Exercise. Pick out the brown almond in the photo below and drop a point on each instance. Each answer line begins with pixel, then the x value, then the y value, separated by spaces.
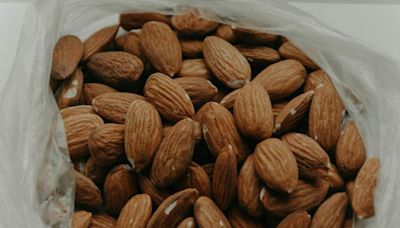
pixel 292 114
pixel 197 178
pixel 132 44
pixel 92 90
pixel 209 168
pixel 120 185
pixel 226 62
pixel 290 51
pixel 331 212
pixel 66 56
pixel 249 187
pixel 174 209
pixel 99 41
pixel 114 106
pixel 316 78
pixel 81 219
pixel 350 151
pixel 276 165
pixel 136 212
pixel 161 47
pixel 249 36
pixel 102 221
pixel 94 172
pixel 225 32
pixel 207 214
pixel 191 48
pixel 170 99
pixel 229 100
pixel 297 219
pixel 76 110
pixel 71 90
pixel 143 132
pixel 200 90
pixel 241 220
pixel 135 20
pixel 259 54
pixel 86 192
pixel 277 107
pixel 195 68
pixel 253 112
pixel 187 223
pixel 106 144
pixel 146 186
pixel 78 129
pixel 332 177
pixel 191 24
pixel 119 41
pixel 174 155
pixel 349 187
pixel 364 189
pixel 282 79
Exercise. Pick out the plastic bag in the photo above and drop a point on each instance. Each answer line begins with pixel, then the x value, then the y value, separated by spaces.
pixel 37 187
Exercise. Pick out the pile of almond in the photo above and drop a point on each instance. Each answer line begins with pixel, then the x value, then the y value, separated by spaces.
pixel 185 122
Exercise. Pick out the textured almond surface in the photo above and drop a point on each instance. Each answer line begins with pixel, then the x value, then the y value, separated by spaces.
pixel 86 192
pixel 132 44
pixel 331 212
pixel 225 32
pixel 146 186
pixel 170 99
pixel 290 51
pixel 332 177
pixel 282 78
pixel 143 132
pixel 92 90
pixel 66 56
pixel 276 165
pixel 195 68
pixel 102 221
pixel 316 78
pixel 161 47
pixel 187 223
pixel 207 214
pixel 253 112
pixel 191 24
pixel 200 90
pixel 81 219
pixel 297 219
pixel 229 100
pixel 191 48
pixel 259 54
pixel 241 220
pixel 76 110
pixel 135 20
pixel 197 178
pixel 226 62
pixel 136 212
pixel 99 41
pixel 94 172
pixel 71 90
pixel 249 36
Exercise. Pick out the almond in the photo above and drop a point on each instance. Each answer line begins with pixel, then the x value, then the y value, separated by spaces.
pixel 187 223
pixel 190 24
pixel 219 131
pixel 170 99
pixel 226 62
pixel 333 178
pixel 305 196
pixel 253 112
pixel 197 178
pixel 331 212
pixel 225 32
pixel 119 41
pixel 135 20
pixel 281 79
pixel 350 151
pixel 249 36
pixel 276 165
pixel 71 90
pixel 99 41
pixel 259 54
pixel 92 90
pixel 278 107
pixel 114 106
pixel 86 192
pixel 174 155
pixel 349 187
pixel 79 165
pixel 102 221
pixel 224 183
pixel 325 116
pixel 364 189
pixel 132 44
pixel 290 51
pixel 76 110
pixel 81 219
pixel 209 168
pixel 116 68
pixel 207 214
pixel 316 78
pixel 195 68
pixel 66 56
pixel 174 209
pixel 78 129
pixel 161 47
pixel 94 172
pixel 143 132
pixel 297 219
pixel 136 212
pixel 309 154
pixel 200 90
pixel 119 186
pixel 146 186
pixel 249 187
pixel 241 220
pixel 291 115
pixel 229 100
pixel 106 144
pixel 191 48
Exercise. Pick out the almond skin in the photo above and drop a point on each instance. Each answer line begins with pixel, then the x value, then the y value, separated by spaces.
pixel 249 36
pixel 192 48
pixel 116 68
pixel 66 57
pixel 316 78
pixel 195 68
pixel 143 132
pixel 86 192
pixel 331 212
pixel 102 221
pixel 241 220
pixel 76 110
pixel 99 41
pixel 120 185
pixel 135 20
pixel 226 62
pixel 174 155
pixel 259 54
pixel 281 79
pixel 190 24
pixel 146 186
pixel 224 183
pixel 78 129
pixel 332 177
pixel 249 187
pixel 276 165
pixel 187 223
pixel 278 107
pixel 174 209
pixel 225 32
pixel 253 112
pixel 350 151
pixel 364 189
pixel 197 178
pixel 229 100
pixel 207 214
pixel 92 90
pixel 297 219
pixel 106 144
pixel 161 47
pixel 71 90
pixel 136 212
pixel 290 51
pixel 114 106
pixel 81 219
pixel 199 90
pixel 132 44
pixel 94 172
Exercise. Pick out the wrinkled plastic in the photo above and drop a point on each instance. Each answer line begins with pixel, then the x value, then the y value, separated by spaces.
pixel 36 181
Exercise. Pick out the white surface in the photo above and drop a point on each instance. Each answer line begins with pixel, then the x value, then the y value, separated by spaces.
pixel 377 24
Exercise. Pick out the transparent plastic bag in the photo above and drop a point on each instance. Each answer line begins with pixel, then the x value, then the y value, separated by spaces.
pixel 36 178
